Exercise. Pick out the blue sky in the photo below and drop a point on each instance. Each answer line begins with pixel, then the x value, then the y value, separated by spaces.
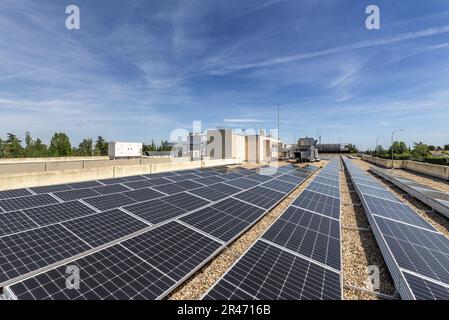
pixel 139 69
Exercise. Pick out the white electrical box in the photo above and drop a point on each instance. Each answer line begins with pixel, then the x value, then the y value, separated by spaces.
pixel 124 150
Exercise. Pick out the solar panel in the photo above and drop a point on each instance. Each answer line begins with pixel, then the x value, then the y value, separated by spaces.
pixel 209 180
pixel 169 189
pixel 115 188
pixel 14 193
pixel 222 226
pixel 185 201
pixel 109 201
pixel 138 184
pixel 159 175
pixel 408 243
pixel 174 249
pixel 376 192
pixel 394 210
pixel 31 250
pixel 324 189
pixel 49 189
pixel 242 183
pixel 14 204
pixel 231 176
pixel 260 177
pixel 76 194
pixel 319 203
pixel 58 212
pixel 12 222
pixel 189 184
pixel 155 211
pixel 426 290
pixel 239 209
pixel 143 194
pixel 269 273
pixel 331 182
pixel 311 235
pixel 262 197
pixel 113 273
pixel 183 177
pixel 86 184
pixel 159 181
pixel 104 227
pixel 280 186
pixel 224 220
pixel 134 178
pixel 210 194
pixel 113 181
pixel 290 179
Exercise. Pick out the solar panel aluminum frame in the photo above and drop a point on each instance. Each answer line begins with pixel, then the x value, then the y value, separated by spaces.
pixel 400 282
pixel 431 202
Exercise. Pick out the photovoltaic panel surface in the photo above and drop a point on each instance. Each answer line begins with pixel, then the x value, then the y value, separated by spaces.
pixel 416 254
pixel 113 273
pixel 143 194
pixel 76 194
pixel 104 227
pixel 14 204
pixel 48 189
pixel 14 193
pixel 319 203
pixel 155 211
pixel 58 212
pixel 174 249
pixel 109 201
pixel 31 250
pixel 266 272
pixel 15 221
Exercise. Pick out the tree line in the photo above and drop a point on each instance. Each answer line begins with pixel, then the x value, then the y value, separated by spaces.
pixel 419 152
pixel 60 146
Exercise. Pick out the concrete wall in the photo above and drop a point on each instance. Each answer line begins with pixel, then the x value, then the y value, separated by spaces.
pixel 33 179
pixel 429 169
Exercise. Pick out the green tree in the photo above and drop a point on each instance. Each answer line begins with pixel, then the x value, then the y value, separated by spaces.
pixel 101 146
pixel 431 148
pixel 420 151
pixel 446 147
pixel 12 147
pixel 60 145
pixel 85 147
pixel 352 148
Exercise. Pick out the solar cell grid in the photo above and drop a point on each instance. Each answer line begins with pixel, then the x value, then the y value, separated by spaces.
pixel 109 201
pixel 113 273
pixel 209 180
pixel 138 184
pixel 319 203
pixel 242 183
pixel 155 211
pixel 324 189
pixel 86 184
pixel 112 181
pixel 261 197
pixel 14 193
pixel 331 182
pixel 76 194
pixel 239 209
pixel 310 238
pixel 280 186
pixel 189 184
pixel 31 250
pixel 394 210
pixel 143 194
pixel 174 249
pixel 268 273
pixel 16 221
pixel 134 178
pixel 169 189
pixel 48 189
pixel 115 188
pixel 58 212
pixel 14 204
pixel 104 227
pixel 426 290
pixel 185 201
pixel 376 192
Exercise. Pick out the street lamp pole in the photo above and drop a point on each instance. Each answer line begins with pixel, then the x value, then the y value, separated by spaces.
pixel 377 144
pixel 392 151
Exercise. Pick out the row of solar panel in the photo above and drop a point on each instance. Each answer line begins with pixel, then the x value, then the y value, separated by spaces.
pixel 299 256
pixel 165 251
pixel 170 184
pixel 81 221
pixel 416 254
